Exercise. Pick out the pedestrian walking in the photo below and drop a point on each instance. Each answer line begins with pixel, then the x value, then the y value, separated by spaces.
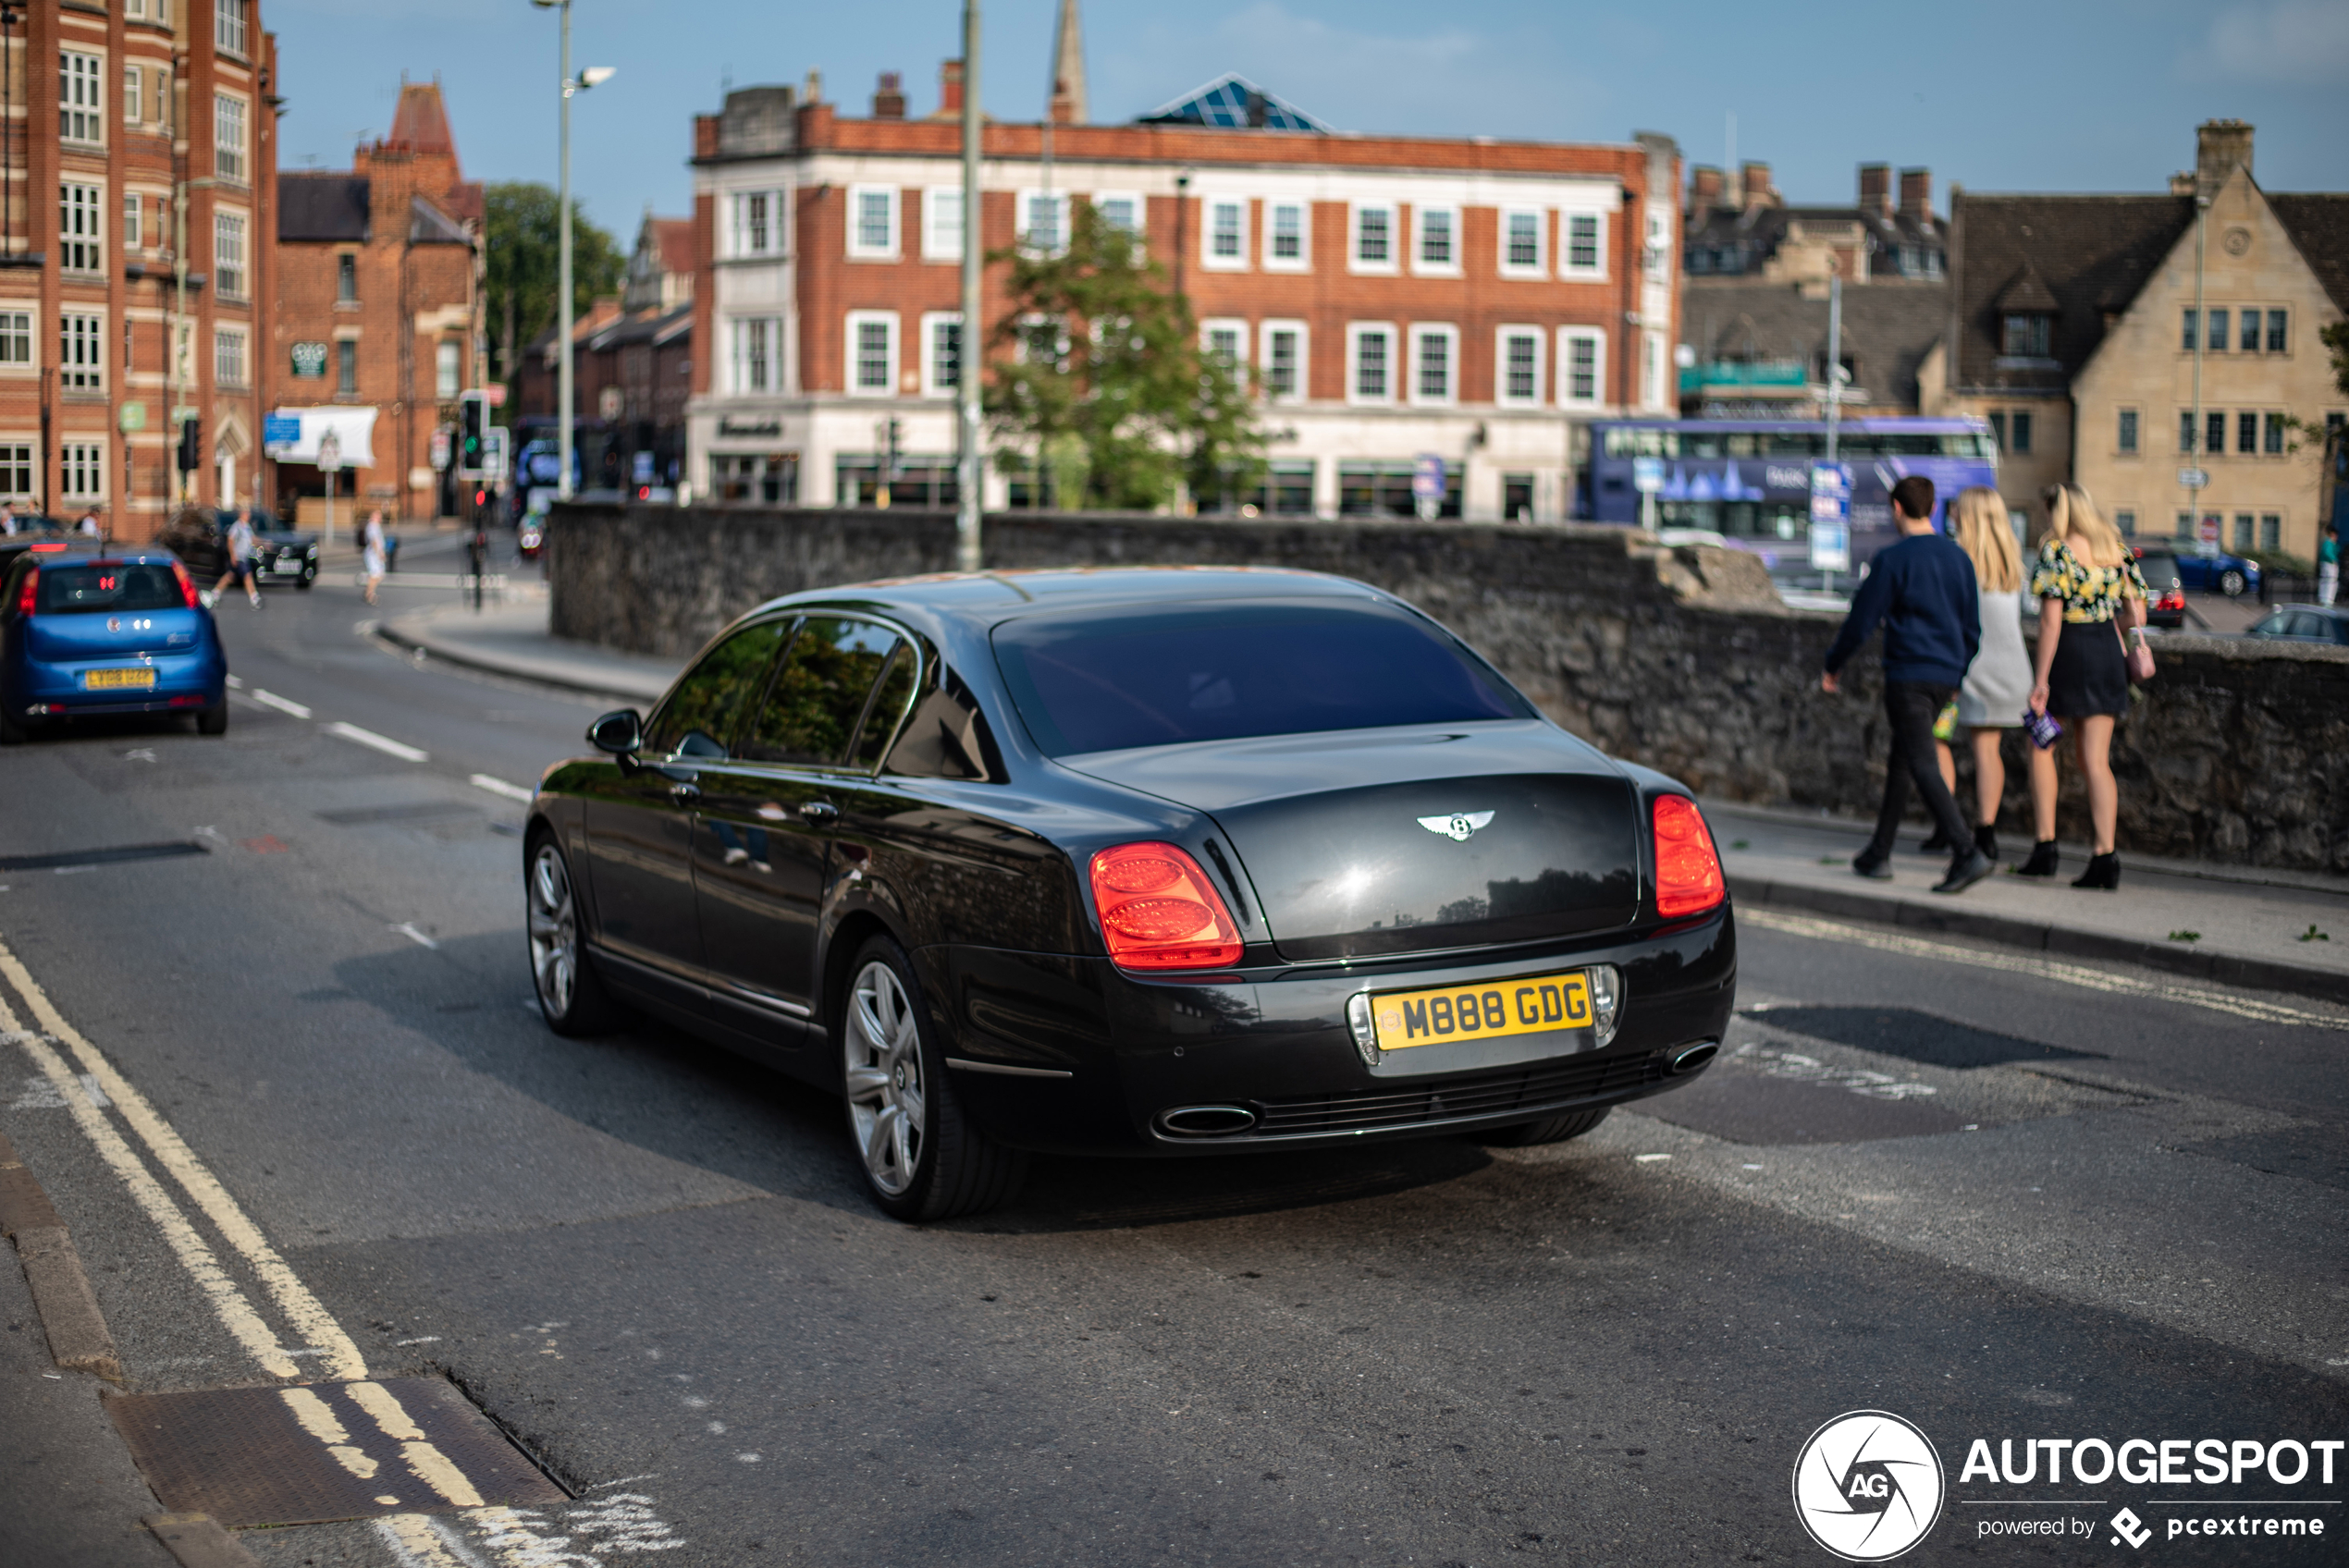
pixel 241 560
pixel 371 551
pixel 1922 589
pixel 88 526
pixel 1997 684
pixel 2092 597
pixel 7 519
pixel 2329 565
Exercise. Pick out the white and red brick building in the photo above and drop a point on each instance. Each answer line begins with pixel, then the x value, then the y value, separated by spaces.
pixel 1477 299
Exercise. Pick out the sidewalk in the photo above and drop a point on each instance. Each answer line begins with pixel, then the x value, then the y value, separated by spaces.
pixel 2248 920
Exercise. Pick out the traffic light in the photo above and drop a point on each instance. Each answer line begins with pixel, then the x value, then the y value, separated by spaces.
pixel 472 418
pixel 190 444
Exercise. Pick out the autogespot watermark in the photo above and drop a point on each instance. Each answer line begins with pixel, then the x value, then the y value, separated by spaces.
pixel 1869 1485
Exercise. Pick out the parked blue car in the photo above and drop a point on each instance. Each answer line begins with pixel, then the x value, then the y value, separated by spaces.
pixel 82 635
pixel 2220 574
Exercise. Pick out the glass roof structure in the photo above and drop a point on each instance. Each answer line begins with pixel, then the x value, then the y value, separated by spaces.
pixel 1233 102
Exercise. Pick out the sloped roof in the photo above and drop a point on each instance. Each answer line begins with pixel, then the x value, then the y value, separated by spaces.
pixel 421 123
pixel 1887 331
pixel 1755 232
pixel 2320 226
pixel 1233 102
pixel 2092 255
pixel 330 207
pixel 428 224
pixel 2028 293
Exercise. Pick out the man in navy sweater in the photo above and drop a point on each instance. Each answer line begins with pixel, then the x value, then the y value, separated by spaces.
pixel 1923 590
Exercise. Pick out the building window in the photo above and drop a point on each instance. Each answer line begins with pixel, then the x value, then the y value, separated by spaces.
pixel 346 277
pixel 1373 239
pixel 347 367
pixel 943 224
pixel 2273 445
pixel 2215 340
pixel 1582 355
pixel 872 353
pixel 16 469
pixel 2025 336
pixel 754 223
pixel 228 137
pixel 2128 433
pixel 1121 211
pixel 1519 369
pixel 132 230
pixel 2271 530
pixel 84 471
pixel 1284 236
pixel 1373 355
pixel 1225 341
pixel 1434 350
pixel 2020 424
pixel 133 99
pixel 1997 418
pixel 228 254
pixel 2244 536
pixel 2276 337
pixel 228 25
pixel 771 478
pixel 2214 435
pixel 2127 522
pixel 754 355
pixel 16 337
pixel 1043 222
pixel 872 222
pixel 1582 242
pixel 227 358
pixel 2185 431
pixel 78 248
pixel 2246 434
pixel 2186 331
pixel 80 108
pixel 1283 359
pixel 1520 244
pixel 1226 234
pixel 1438 249
pixel 79 363
pixel 447 369
pixel 942 353
pixel 2250 331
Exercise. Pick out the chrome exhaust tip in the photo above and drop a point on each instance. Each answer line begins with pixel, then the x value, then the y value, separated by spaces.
pixel 1206 1120
pixel 1696 1056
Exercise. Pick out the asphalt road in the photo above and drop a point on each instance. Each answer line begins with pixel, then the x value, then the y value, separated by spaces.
pixel 2002 1199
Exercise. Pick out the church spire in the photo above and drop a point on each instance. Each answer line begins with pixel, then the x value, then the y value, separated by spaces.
pixel 1068 68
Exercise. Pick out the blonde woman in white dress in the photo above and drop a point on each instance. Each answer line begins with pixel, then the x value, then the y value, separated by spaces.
pixel 1997 683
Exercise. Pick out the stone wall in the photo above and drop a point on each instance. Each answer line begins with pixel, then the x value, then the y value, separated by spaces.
pixel 1683 658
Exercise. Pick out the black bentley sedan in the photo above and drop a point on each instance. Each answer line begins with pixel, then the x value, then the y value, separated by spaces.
pixel 1159 861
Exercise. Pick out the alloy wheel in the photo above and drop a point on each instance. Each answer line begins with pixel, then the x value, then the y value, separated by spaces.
pixel 887 1100
pixel 554 931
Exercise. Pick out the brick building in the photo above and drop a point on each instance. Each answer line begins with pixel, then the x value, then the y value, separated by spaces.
pixel 1472 299
pixel 378 320
pixel 126 110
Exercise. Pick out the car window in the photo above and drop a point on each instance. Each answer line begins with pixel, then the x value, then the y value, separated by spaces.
pixel 701 715
pixel 87 590
pixel 2159 567
pixel 819 691
pixel 896 689
pixel 2277 625
pixel 2307 624
pixel 1147 675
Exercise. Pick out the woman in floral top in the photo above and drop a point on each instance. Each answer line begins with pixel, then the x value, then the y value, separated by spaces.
pixel 2087 578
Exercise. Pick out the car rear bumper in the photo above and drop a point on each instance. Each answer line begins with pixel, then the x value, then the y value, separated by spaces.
pixel 183 682
pixel 1070 1055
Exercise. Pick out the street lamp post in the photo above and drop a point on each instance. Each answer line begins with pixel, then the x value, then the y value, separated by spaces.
pixel 971 353
pixel 589 77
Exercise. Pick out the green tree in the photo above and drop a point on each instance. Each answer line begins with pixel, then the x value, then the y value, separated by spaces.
pixel 522 227
pixel 1098 378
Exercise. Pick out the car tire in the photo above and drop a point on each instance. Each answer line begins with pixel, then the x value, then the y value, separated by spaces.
pixel 214 720
pixel 1549 1129
pixel 921 1158
pixel 571 994
pixel 2231 583
pixel 309 576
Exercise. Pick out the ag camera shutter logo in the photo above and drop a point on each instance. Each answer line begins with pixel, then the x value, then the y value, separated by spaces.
pixel 1868 1486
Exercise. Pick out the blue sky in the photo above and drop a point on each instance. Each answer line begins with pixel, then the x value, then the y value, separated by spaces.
pixel 1999 94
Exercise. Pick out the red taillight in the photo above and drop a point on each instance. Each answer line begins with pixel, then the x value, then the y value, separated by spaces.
pixel 1688 873
pixel 1159 910
pixel 30 594
pixel 187 587
pixel 2174 600
pixel 49 549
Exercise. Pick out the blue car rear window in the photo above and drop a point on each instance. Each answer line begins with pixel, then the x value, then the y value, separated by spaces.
pixel 108 585
pixel 1137 676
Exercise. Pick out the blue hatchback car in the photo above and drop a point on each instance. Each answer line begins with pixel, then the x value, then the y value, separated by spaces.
pixel 85 635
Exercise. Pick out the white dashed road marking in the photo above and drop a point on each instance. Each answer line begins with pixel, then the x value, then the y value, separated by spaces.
pixel 383 743
pixel 500 787
pixel 283 705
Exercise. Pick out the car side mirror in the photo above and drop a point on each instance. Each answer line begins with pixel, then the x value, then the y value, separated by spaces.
pixel 619 733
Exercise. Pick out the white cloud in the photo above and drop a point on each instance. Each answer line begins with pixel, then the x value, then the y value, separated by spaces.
pixel 2295 41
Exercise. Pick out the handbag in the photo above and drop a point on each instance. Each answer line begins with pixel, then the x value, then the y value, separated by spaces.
pixel 2139 657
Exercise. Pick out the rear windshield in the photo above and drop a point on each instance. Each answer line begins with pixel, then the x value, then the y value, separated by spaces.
pixel 108 585
pixel 1137 676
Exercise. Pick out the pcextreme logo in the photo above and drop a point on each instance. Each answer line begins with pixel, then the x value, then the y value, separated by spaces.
pixel 1868 1486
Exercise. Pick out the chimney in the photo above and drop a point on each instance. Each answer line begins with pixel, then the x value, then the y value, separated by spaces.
pixel 1876 188
pixel 1756 180
pixel 2219 147
pixel 2182 183
pixel 950 88
pixel 1916 195
pixel 1705 189
pixel 889 98
pixel 814 91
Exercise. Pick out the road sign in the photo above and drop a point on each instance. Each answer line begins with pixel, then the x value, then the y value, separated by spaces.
pixel 493 454
pixel 641 470
pixel 2206 531
pixel 495 394
pixel 131 417
pixel 2193 479
pixel 1832 517
pixel 1647 475
pixel 1427 478
pixel 439 448
pixel 329 453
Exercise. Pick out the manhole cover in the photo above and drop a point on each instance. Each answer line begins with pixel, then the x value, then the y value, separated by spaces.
pixel 323 1451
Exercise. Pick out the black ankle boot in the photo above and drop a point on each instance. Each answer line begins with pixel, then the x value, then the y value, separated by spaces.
pixel 1937 845
pixel 2044 861
pixel 1985 838
pixel 2103 873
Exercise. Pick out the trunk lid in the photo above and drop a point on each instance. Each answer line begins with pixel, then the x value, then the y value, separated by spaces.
pixel 1370 842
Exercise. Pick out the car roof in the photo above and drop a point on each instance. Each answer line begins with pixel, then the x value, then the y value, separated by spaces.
pixel 984 599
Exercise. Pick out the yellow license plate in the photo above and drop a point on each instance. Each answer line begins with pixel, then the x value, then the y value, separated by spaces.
pixel 1492 1011
pixel 110 679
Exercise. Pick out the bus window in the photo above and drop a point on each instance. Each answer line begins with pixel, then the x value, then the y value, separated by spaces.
pixel 1794 443
pixel 1906 444
pixel 1741 445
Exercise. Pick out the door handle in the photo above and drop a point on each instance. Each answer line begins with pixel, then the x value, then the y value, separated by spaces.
pixel 816 813
pixel 685 792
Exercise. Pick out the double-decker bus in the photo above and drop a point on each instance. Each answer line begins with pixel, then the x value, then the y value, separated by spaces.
pixel 1750 479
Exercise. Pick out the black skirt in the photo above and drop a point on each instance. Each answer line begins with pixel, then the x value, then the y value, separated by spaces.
pixel 2090 674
